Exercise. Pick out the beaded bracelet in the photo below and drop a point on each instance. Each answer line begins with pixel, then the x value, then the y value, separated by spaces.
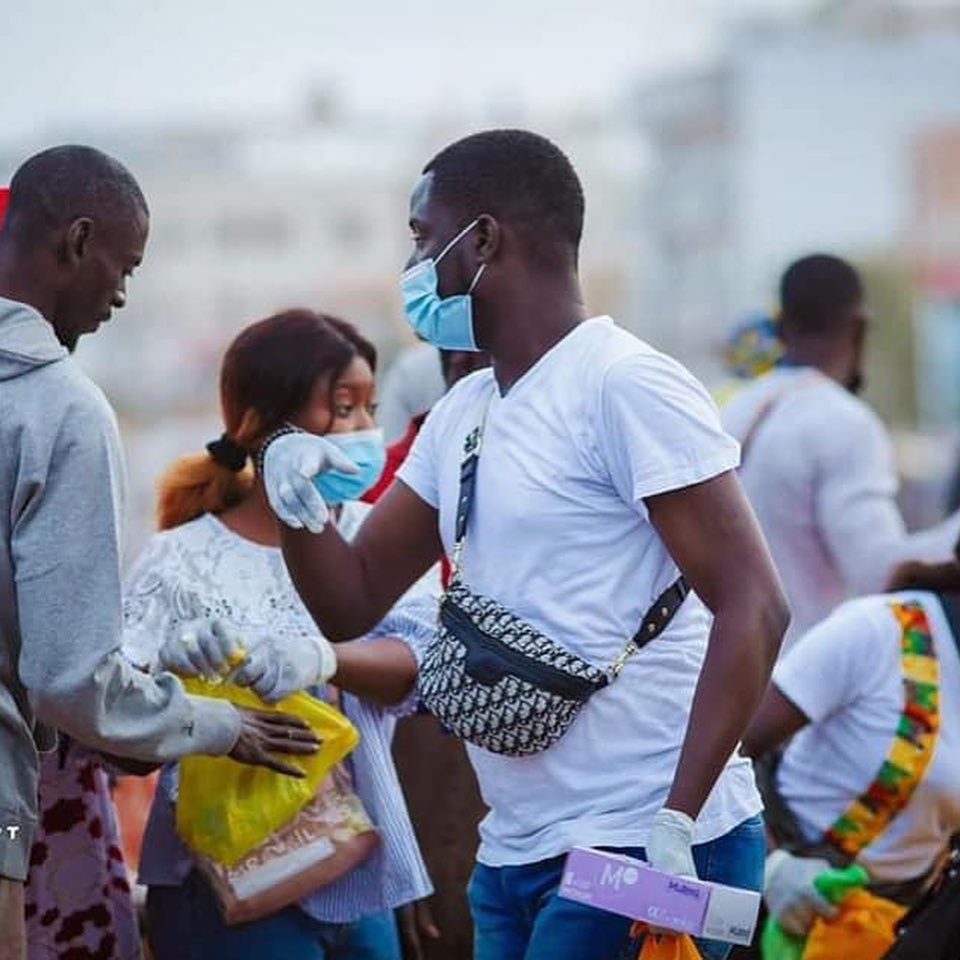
pixel 270 437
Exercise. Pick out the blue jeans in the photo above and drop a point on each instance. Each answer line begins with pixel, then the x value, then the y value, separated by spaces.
pixel 184 923
pixel 517 914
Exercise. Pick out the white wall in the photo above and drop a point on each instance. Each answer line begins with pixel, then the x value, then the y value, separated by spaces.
pixel 827 126
pixel 819 126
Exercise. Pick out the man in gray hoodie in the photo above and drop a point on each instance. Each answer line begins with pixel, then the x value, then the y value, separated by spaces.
pixel 75 229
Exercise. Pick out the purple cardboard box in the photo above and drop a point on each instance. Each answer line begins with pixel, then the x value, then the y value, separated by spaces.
pixel 629 887
pixel 611 881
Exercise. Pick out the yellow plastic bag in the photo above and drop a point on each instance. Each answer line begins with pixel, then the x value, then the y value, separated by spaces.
pixel 861 930
pixel 225 809
pixel 665 946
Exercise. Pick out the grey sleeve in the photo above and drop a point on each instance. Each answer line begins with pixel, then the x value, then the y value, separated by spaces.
pixel 65 550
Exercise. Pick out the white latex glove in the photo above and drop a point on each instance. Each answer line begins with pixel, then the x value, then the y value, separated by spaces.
pixel 289 465
pixel 670 842
pixel 276 668
pixel 791 897
pixel 204 648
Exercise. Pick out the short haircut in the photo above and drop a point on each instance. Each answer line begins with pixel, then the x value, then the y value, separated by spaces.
pixel 516 176
pixel 816 290
pixel 62 184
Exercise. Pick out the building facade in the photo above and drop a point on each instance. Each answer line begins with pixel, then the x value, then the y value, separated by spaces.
pixel 799 138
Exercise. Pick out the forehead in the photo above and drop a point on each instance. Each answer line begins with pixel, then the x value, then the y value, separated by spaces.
pixel 357 374
pixel 426 208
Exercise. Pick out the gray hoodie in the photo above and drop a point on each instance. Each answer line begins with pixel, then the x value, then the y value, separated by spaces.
pixel 60 625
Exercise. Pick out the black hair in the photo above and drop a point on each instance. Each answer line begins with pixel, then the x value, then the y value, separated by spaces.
pixel 815 291
pixel 518 177
pixel 933 577
pixel 61 184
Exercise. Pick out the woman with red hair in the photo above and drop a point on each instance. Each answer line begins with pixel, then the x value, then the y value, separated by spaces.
pixel 218 558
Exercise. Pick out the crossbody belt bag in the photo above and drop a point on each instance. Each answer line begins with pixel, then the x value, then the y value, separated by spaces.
pixel 496 681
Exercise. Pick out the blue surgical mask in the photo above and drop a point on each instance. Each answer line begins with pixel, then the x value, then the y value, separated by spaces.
pixel 366 449
pixel 446 322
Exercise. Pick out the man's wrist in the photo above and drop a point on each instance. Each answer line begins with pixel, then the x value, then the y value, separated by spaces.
pixel 679 804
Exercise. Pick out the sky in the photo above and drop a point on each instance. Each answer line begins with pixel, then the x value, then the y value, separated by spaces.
pixel 67 64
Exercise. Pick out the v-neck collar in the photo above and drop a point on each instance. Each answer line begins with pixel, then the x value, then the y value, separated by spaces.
pixel 531 373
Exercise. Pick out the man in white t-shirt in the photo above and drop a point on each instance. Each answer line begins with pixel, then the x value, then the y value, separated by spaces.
pixel 840 701
pixel 817 461
pixel 603 471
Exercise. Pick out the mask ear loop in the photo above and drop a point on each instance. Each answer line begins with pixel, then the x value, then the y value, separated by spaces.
pixel 476 278
pixel 455 240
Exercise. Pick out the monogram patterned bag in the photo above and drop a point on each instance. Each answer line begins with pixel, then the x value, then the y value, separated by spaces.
pixel 496 681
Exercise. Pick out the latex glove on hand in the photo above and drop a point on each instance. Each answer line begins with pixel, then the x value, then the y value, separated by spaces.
pixel 669 846
pixel 792 899
pixel 274 669
pixel 289 465
pixel 202 648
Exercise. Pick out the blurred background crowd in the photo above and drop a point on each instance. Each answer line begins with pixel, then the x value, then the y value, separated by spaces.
pixel 716 141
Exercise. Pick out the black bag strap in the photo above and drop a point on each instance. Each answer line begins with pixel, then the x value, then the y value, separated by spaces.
pixel 468 487
pixel 657 618
pixel 951 608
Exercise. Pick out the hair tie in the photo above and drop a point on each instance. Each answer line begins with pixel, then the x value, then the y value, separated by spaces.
pixel 228 453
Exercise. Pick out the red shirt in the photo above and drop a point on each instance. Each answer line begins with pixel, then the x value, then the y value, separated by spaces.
pixel 396 454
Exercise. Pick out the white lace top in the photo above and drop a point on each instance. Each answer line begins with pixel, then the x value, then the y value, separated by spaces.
pixel 203 569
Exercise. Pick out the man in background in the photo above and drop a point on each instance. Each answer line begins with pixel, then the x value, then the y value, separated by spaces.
pixel 817 462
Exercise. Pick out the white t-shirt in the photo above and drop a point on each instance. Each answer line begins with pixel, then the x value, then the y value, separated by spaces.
pixel 846 676
pixel 560 535
pixel 820 476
